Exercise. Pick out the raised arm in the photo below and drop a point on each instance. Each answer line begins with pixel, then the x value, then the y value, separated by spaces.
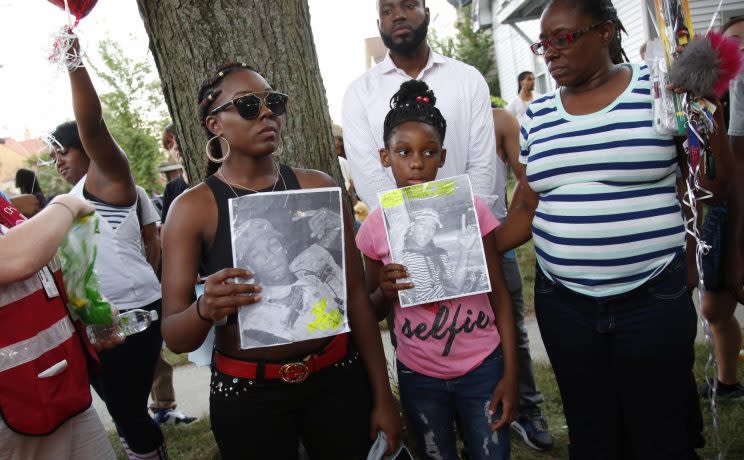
pixel 362 152
pixel 26 248
pixel 109 177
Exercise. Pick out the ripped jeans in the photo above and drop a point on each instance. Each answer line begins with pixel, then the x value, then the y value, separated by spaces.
pixel 431 405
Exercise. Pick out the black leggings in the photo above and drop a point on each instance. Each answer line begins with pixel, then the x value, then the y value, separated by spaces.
pixel 329 411
pixel 124 383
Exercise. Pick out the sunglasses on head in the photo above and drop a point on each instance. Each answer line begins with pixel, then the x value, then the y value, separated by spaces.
pixel 561 41
pixel 249 105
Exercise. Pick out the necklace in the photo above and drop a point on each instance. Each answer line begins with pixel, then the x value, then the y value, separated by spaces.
pixel 231 185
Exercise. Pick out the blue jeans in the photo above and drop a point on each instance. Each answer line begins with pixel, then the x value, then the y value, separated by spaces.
pixel 624 367
pixel 431 405
pixel 124 383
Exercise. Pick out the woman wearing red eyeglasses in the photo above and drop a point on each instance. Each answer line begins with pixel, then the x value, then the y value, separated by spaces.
pixel 264 400
pixel 598 195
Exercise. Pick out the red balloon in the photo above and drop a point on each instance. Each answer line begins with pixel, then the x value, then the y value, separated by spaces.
pixel 78 8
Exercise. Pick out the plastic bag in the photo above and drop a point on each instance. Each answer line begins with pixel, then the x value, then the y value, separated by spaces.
pixel 77 254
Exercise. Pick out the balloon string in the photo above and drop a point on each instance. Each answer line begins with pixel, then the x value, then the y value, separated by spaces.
pixel 713 19
pixel 695 193
pixel 69 16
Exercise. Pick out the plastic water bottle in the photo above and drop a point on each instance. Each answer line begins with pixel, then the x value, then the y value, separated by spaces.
pixel 126 323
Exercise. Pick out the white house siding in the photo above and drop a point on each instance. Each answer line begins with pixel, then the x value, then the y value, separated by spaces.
pixel 631 14
pixel 513 55
pixel 702 12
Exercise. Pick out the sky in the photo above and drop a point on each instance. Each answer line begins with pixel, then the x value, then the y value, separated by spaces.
pixel 36 95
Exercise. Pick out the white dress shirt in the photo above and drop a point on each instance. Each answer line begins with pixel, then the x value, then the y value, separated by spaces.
pixel 462 97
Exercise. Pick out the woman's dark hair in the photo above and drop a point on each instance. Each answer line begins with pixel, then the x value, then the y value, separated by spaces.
pixel 520 79
pixel 68 136
pixel 601 11
pixel 731 22
pixel 208 92
pixel 414 101
pixel 25 180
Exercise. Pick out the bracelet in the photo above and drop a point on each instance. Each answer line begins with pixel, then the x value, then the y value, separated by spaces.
pixel 198 313
pixel 68 208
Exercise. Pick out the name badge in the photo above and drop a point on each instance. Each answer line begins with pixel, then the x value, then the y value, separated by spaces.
pixel 47 280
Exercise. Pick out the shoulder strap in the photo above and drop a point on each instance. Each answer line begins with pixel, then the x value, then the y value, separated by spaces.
pixel 290 179
pixel 139 211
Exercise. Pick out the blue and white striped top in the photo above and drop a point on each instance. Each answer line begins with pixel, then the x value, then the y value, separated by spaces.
pixel 608 217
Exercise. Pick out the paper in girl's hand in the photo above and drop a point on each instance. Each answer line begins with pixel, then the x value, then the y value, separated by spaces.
pixel 440 242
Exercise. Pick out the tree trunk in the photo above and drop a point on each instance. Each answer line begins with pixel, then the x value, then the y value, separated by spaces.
pixel 191 38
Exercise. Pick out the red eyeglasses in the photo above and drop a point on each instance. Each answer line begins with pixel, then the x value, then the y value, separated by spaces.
pixel 561 41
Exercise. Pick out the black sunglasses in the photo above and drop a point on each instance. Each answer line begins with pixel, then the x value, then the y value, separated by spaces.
pixel 249 105
pixel 561 41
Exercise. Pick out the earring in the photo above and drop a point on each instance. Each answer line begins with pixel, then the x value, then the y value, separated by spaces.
pixel 279 149
pixel 225 155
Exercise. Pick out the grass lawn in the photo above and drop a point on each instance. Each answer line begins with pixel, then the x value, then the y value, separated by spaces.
pixel 526 259
pixel 195 442
pixel 176 360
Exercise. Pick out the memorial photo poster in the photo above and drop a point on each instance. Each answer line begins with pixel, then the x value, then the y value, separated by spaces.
pixel 293 243
pixel 433 230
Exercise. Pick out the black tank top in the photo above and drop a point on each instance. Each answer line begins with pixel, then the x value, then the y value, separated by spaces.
pixel 220 256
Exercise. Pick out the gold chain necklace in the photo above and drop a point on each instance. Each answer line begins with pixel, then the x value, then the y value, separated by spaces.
pixel 231 185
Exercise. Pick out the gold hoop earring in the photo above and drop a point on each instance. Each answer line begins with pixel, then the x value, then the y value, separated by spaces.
pixel 279 149
pixel 224 156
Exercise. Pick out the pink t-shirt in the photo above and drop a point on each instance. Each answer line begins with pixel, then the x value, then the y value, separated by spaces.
pixel 445 339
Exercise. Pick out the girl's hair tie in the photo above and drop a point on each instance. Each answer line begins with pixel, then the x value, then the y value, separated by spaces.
pixel 422 99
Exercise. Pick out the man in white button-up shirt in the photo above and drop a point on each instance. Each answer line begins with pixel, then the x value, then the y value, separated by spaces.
pixel 462 97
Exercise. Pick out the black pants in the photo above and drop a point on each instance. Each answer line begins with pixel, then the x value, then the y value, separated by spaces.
pixel 329 411
pixel 624 367
pixel 124 384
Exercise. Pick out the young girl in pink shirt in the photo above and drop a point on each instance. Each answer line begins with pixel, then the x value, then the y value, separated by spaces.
pixel 456 358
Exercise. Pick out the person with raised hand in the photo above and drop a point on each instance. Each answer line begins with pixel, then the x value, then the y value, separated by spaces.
pixel 87 156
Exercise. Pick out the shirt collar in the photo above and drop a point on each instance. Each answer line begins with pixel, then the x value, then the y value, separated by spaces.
pixel 387 64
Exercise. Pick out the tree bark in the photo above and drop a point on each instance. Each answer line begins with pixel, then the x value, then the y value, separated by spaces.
pixel 189 39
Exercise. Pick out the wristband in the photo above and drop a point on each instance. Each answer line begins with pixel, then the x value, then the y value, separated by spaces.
pixel 198 312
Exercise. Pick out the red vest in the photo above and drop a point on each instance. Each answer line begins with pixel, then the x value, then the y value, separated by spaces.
pixel 43 358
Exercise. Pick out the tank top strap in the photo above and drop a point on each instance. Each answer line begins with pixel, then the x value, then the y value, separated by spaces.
pixel 290 178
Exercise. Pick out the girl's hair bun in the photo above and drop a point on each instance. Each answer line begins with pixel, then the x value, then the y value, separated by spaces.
pixel 411 92
pixel 414 101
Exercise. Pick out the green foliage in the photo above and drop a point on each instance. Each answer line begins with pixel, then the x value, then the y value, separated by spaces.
pixel 469 46
pixel 134 111
pixel 498 102
pixel 50 181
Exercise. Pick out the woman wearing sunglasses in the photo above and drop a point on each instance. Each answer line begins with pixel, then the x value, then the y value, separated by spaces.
pixel 600 200
pixel 260 404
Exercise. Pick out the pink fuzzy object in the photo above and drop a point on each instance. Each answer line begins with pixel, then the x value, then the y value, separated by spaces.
pixel 707 65
pixel 729 60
